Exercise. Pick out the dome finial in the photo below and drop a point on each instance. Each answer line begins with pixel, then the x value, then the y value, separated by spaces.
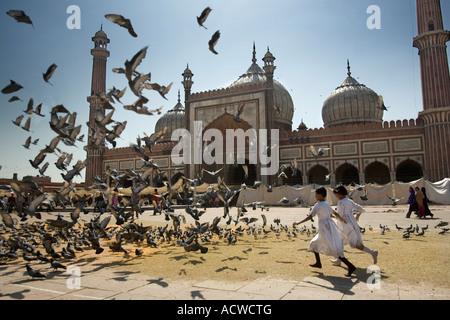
pixel 254 53
pixel 348 68
pixel 179 98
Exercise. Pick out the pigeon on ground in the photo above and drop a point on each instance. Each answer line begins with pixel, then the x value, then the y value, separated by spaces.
pixel 34 273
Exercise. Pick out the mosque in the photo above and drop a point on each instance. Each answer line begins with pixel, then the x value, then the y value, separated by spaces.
pixel 359 147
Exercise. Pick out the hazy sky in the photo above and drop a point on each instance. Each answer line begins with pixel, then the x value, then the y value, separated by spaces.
pixel 310 39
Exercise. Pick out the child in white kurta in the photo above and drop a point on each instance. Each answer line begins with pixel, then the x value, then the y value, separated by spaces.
pixel 327 241
pixel 350 231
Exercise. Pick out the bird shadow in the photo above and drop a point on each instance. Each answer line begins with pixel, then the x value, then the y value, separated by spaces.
pixel 197 294
pixel 225 268
pixel 16 295
pixel 234 258
pixel 159 282
pixel 193 262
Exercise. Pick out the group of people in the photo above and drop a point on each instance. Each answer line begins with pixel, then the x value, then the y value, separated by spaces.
pixel 333 236
pixel 418 203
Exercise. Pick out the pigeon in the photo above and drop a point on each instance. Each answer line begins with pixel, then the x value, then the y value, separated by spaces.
pixel 441 224
pixel 394 200
pixel 317 152
pixel 204 16
pixel 121 21
pixel 49 73
pixel 130 66
pixel 38 160
pixel 7 219
pixel 245 168
pixel 12 87
pixel 212 43
pixel 27 124
pixel 264 218
pixel 34 273
pixel 247 220
pixel 27 143
pixel 282 175
pixel 37 111
pixel 29 107
pixel 43 168
pixel 284 200
pixel 20 16
pixel 138 252
pixel 212 173
pixel 241 109
pixel 398 228
pixel 381 105
pixel 162 90
pixel 56 265
pixel 14 98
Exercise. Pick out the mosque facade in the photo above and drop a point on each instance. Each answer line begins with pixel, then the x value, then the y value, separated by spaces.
pixel 358 146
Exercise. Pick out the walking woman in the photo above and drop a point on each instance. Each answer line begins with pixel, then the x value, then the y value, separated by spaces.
pixel 350 231
pixel 327 241
pixel 426 202
pixel 412 202
pixel 419 202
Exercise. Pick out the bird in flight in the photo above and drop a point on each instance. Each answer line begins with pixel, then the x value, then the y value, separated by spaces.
pixel 241 110
pixel 121 21
pixel 49 73
pixel 212 43
pixel 20 16
pixel 381 105
pixel 318 152
pixel 204 16
pixel 12 87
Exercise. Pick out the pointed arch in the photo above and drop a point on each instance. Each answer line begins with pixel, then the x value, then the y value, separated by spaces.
pixel 377 172
pixel 317 175
pixel 347 173
pixel 408 170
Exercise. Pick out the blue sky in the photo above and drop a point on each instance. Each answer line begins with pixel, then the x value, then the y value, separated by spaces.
pixel 310 39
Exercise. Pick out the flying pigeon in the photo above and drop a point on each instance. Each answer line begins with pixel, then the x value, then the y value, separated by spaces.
pixel 49 73
pixel 203 17
pixel 121 21
pixel 20 16
pixel 12 87
pixel 212 43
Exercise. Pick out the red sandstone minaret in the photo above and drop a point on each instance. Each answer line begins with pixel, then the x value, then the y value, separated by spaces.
pixel 431 42
pixel 94 151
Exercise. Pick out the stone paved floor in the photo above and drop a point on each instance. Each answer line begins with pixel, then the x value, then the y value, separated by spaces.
pixel 97 282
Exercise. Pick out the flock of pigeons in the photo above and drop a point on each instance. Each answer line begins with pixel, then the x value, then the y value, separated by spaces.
pixel 62 239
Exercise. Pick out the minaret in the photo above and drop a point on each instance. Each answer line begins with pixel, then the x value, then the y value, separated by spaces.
pixel 187 84
pixel 431 42
pixel 269 70
pixel 98 85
